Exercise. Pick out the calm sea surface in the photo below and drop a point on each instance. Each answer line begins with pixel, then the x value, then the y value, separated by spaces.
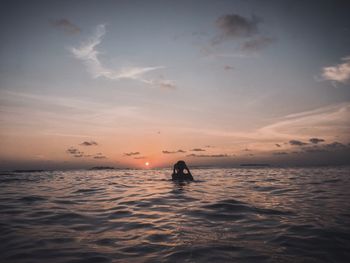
pixel 225 215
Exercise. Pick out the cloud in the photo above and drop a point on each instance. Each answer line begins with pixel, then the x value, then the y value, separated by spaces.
pixel 323 121
pixel 79 154
pixel 90 56
pixel 314 150
pixel 256 44
pixel 335 145
pixel 140 157
pixel 244 29
pixel 168 152
pixel 339 73
pixel 131 153
pixel 208 155
pixel 316 140
pixel 72 150
pixel 172 152
pixel 330 147
pixel 99 156
pixel 89 143
pixel 75 152
pixel 280 153
pixel 197 150
pixel 278 145
pixel 228 67
pixel 328 150
pixel 235 26
pixel 165 84
pixel 297 143
pixel 66 25
pixel 161 83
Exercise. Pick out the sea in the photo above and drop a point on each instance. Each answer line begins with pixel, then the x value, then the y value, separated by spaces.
pixel 247 214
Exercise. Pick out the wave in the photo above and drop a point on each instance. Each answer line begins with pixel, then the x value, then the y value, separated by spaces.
pixel 225 215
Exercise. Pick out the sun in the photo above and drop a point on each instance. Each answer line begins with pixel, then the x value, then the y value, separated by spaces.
pixel 147 163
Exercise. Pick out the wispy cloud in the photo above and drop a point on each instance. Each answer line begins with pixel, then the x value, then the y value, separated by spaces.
pixel 131 153
pixel 88 53
pixel 161 83
pixel 140 157
pixel 208 155
pixel 326 122
pixel 197 150
pixel 66 25
pixel 99 156
pixel 322 121
pixel 58 111
pixel 173 152
pixel 339 73
pixel 279 153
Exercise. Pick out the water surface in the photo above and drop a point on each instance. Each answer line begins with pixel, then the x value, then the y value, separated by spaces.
pixel 225 215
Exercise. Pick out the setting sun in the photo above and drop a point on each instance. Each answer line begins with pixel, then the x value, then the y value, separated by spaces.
pixel 147 163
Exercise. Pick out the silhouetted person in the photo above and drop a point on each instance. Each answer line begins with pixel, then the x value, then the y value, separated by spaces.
pixel 178 172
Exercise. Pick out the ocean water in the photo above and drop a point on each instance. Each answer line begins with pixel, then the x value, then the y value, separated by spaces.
pixel 225 215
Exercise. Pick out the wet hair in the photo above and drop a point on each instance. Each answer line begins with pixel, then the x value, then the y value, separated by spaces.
pixel 181 165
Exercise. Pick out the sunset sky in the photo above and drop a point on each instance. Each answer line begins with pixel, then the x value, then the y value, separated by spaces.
pixel 218 83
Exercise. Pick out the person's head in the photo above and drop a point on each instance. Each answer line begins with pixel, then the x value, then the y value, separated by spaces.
pixel 181 165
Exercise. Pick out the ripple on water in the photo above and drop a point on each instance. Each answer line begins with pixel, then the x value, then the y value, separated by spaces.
pixel 226 215
pixel 235 206
pixel 32 199
pixel 119 214
pixel 88 190
pixel 66 219
pixel 214 253
pixel 313 244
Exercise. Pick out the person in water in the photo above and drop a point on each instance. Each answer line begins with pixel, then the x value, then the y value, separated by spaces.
pixel 178 172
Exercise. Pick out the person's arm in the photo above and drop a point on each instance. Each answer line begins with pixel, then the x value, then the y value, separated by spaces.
pixel 189 175
pixel 188 170
pixel 173 176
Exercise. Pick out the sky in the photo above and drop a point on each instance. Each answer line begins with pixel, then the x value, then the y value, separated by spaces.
pixel 214 83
